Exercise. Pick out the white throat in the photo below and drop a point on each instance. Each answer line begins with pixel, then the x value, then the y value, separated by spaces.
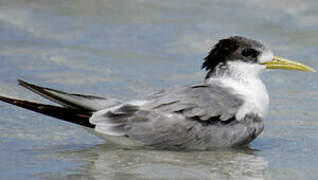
pixel 243 78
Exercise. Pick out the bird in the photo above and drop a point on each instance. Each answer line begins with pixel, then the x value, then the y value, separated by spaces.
pixel 225 109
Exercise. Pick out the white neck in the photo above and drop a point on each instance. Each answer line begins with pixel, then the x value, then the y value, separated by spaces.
pixel 243 78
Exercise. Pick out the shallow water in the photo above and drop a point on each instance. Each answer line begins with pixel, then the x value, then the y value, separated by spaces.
pixel 130 48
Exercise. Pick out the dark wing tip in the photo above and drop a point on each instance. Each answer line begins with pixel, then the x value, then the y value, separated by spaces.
pixel 29 85
pixel 6 99
pixel 22 83
pixel 19 80
pixel 63 113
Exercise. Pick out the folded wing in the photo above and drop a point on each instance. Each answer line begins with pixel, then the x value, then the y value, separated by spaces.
pixel 201 101
pixel 181 116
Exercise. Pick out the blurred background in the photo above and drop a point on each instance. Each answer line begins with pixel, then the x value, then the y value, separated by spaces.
pixel 130 48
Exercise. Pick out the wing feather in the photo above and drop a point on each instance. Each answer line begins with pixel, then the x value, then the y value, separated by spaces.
pixel 171 118
pixel 202 100
pixel 75 101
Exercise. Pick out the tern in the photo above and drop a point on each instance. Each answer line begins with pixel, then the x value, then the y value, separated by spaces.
pixel 226 109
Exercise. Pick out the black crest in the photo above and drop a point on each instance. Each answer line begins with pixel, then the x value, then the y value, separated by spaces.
pixel 220 52
pixel 232 48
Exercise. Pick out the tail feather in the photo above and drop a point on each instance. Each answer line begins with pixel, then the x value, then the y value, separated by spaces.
pixel 72 115
pixel 75 101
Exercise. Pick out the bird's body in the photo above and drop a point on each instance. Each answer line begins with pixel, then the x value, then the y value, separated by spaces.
pixel 226 109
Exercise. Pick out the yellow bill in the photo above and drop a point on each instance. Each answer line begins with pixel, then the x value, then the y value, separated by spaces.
pixel 282 63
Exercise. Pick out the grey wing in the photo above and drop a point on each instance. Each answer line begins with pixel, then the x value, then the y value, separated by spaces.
pixel 144 127
pixel 170 118
pixel 201 101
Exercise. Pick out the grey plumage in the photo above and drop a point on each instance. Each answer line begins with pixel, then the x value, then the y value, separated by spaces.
pixel 200 116
pixel 202 100
pixel 180 133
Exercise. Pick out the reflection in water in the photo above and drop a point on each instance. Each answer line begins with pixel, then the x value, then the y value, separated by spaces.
pixel 107 161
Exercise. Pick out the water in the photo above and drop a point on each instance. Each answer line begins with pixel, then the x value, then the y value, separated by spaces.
pixel 130 48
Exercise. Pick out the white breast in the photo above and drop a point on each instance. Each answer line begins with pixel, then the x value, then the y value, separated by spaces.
pixel 254 93
pixel 244 81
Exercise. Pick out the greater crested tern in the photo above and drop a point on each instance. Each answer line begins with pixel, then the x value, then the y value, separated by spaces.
pixel 226 109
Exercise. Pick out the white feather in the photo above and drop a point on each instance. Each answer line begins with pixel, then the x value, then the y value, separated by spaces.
pixel 243 79
pixel 105 125
pixel 137 102
pixel 266 56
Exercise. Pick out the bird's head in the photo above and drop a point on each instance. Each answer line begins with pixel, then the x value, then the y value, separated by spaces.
pixel 245 51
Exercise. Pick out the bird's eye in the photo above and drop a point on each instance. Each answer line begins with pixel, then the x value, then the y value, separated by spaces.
pixel 249 52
